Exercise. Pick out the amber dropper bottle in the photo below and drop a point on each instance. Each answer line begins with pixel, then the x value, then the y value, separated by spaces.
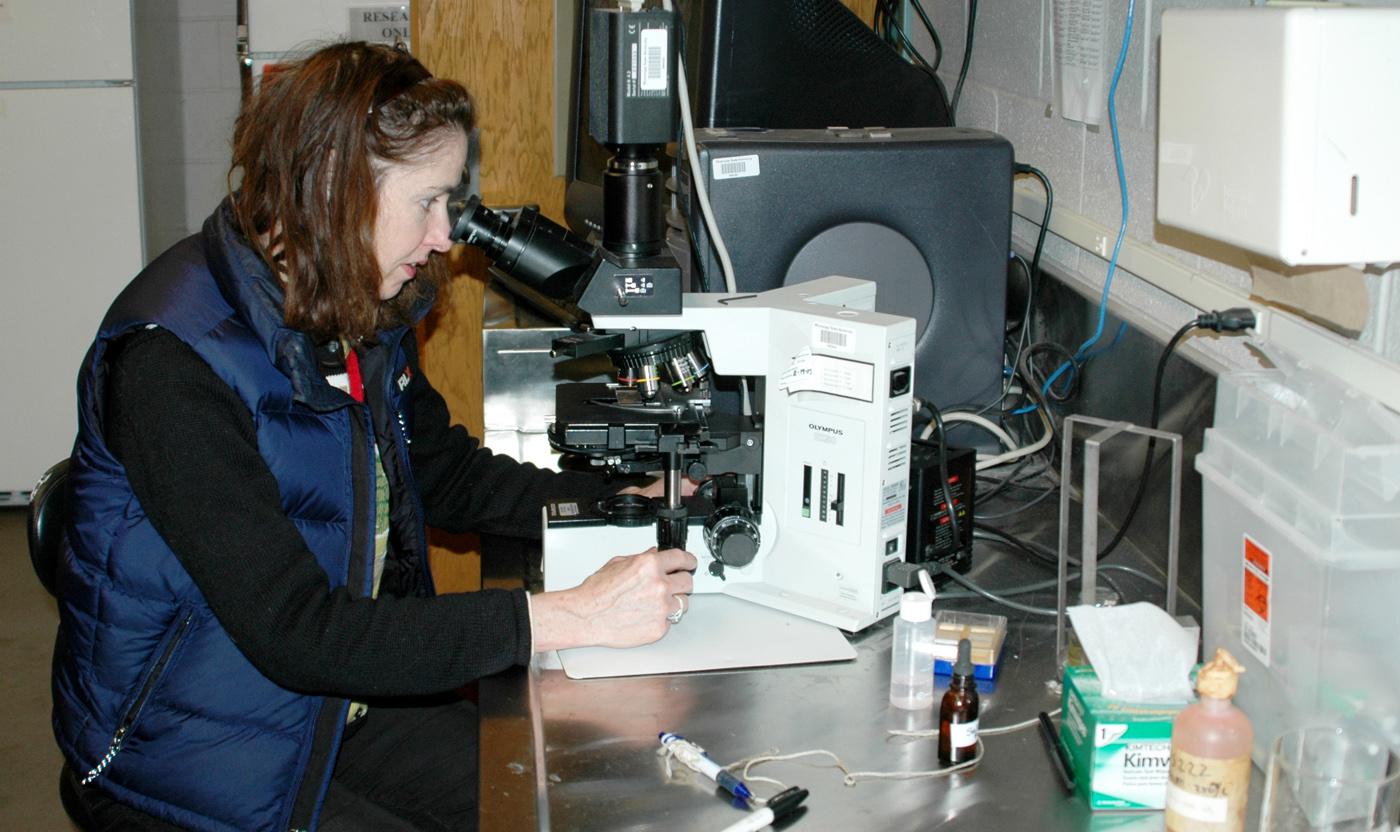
pixel 957 716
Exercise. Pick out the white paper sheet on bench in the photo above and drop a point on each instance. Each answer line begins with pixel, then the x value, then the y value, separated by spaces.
pixel 717 633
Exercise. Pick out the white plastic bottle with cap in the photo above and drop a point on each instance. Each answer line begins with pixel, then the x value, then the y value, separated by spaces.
pixel 911 659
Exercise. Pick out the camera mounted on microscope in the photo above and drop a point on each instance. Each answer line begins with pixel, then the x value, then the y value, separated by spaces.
pixel 632 75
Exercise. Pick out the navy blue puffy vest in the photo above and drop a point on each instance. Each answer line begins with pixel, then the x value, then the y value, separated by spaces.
pixel 152 700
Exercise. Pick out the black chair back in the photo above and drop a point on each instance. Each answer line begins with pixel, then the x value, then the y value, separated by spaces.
pixel 86 807
pixel 48 513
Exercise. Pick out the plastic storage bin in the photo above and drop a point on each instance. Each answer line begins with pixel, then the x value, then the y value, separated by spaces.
pixel 1301 551
pixel 986 632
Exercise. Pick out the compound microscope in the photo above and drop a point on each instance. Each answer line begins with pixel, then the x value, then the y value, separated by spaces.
pixel 805 492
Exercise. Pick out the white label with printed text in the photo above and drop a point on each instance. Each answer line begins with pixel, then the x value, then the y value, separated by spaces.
pixel 734 167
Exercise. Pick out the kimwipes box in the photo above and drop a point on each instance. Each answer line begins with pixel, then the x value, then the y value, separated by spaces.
pixel 1120 751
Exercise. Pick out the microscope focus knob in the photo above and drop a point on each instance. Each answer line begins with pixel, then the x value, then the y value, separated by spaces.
pixel 732 535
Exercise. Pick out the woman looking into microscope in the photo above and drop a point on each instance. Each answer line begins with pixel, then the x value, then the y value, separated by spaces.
pixel 250 638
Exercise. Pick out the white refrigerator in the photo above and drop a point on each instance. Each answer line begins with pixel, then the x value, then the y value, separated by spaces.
pixel 70 213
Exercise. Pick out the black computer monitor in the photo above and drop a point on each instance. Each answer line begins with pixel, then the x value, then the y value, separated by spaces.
pixel 780 64
pixel 801 64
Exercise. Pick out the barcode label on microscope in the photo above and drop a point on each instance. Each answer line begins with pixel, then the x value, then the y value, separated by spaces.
pixel 735 167
pixel 654 48
pixel 837 338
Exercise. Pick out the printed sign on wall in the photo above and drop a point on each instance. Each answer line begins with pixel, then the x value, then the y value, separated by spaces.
pixel 380 24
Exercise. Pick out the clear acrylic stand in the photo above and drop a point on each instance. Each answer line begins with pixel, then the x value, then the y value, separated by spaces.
pixel 1089 545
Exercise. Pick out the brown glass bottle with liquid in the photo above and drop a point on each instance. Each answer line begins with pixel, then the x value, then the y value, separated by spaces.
pixel 957 716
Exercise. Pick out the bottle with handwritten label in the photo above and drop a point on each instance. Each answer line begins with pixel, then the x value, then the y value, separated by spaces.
pixel 957 716
pixel 1208 788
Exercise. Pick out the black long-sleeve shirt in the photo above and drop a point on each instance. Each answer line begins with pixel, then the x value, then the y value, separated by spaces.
pixel 189 447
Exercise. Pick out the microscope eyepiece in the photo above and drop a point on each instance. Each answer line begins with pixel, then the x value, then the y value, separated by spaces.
pixel 477 225
pixel 540 254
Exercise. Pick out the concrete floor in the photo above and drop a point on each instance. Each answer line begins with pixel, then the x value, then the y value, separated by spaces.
pixel 29 760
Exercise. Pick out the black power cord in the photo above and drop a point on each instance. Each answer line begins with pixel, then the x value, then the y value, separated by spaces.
pixel 1031 170
pixel 1058 354
pixel 886 25
pixel 943 473
pixel 932 33
pixel 1230 320
pixel 1032 281
pixel 1032 277
pixel 967 59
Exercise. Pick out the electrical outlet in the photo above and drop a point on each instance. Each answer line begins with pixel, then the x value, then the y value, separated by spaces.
pixel 1101 245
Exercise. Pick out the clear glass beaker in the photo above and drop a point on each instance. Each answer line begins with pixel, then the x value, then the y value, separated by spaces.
pixel 1330 780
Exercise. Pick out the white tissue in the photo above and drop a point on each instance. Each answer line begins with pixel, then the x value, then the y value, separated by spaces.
pixel 1139 653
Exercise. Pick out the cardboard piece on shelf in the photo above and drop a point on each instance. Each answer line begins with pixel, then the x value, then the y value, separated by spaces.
pixel 1334 296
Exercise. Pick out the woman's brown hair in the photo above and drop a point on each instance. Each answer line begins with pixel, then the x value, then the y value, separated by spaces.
pixel 308 145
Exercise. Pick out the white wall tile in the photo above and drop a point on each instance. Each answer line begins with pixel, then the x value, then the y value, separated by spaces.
pixel 184 9
pixel 1006 48
pixel 978 107
pixel 1061 252
pixel 145 11
pixel 1233 273
pixel 1102 196
pixel 229 77
pixel 1048 142
pixel 157 56
pixel 166 236
pixel 190 9
pixel 207 48
pixel 188 86
pixel 162 183
pixel 207 119
pixel 162 137
pixel 204 189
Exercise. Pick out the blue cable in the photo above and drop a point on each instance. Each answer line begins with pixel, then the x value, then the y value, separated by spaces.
pixel 1117 336
pixel 1080 356
pixel 1122 178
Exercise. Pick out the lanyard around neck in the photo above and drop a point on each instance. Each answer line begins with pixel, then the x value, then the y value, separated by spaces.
pixel 352 374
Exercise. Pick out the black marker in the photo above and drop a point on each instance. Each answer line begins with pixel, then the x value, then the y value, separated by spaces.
pixel 1058 757
pixel 779 806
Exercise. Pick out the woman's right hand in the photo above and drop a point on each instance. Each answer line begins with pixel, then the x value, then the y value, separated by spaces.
pixel 623 604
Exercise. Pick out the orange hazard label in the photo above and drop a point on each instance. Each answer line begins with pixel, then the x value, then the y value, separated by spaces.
pixel 1256 556
pixel 1256 594
pixel 1258 569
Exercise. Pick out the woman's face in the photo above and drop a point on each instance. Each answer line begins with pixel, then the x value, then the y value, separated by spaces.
pixel 412 219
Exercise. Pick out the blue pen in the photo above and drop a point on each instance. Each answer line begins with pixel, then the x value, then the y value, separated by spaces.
pixel 694 757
